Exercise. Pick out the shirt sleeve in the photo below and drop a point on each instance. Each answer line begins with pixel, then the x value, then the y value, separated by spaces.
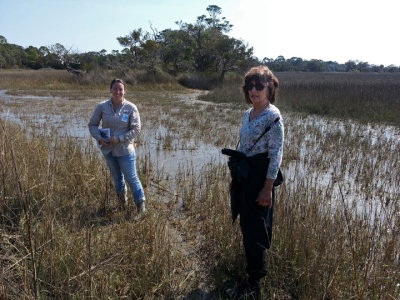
pixel 94 123
pixel 275 149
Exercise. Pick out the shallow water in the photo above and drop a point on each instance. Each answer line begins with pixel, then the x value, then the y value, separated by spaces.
pixel 25 110
pixel 355 161
pixel 4 96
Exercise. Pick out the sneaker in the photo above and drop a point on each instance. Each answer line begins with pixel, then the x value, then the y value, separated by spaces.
pixel 245 291
pixel 141 208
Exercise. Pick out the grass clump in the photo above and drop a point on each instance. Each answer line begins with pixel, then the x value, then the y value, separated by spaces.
pixel 60 240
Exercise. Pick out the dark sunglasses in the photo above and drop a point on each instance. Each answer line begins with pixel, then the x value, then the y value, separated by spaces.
pixel 258 86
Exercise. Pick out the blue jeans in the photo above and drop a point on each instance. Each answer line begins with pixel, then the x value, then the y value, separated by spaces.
pixel 124 167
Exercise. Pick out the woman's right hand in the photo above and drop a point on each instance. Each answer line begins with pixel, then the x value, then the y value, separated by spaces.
pixel 265 195
pixel 103 142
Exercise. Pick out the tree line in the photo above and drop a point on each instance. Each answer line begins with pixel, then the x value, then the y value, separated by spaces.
pixel 199 47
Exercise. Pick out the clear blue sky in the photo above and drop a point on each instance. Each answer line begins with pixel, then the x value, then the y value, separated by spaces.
pixel 337 30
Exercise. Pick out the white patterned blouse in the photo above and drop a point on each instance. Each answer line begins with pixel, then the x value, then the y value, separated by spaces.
pixel 271 142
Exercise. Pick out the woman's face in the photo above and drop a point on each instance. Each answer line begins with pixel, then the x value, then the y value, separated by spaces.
pixel 117 91
pixel 258 97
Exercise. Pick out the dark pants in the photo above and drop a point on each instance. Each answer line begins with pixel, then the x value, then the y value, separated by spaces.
pixel 255 220
pixel 257 235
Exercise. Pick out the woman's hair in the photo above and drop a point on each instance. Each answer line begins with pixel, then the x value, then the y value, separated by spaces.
pixel 115 80
pixel 261 74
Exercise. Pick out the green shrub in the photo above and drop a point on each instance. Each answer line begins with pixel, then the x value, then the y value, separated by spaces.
pixel 201 81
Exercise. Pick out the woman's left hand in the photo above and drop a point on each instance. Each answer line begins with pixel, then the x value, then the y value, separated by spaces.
pixel 265 195
pixel 114 140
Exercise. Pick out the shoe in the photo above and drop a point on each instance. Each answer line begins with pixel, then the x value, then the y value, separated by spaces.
pixel 141 208
pixel 245 291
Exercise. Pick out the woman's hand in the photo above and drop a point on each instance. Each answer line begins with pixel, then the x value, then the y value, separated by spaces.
pixel 103 142
pixel 114 140
pixel 265 195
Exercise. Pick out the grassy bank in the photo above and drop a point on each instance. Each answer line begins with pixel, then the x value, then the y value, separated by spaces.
pixel 365 97
pixel 48 82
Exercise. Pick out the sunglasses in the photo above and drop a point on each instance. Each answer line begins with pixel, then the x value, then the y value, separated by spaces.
pixel 258 86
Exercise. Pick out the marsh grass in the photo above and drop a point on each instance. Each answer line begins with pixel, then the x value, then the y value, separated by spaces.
pixel 46 79
pixel 48 82
pixel 336 230
pixel 324 247
pixel 365 97
pixel 57 243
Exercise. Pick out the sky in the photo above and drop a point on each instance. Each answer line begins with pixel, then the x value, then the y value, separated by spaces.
pixel 330 30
